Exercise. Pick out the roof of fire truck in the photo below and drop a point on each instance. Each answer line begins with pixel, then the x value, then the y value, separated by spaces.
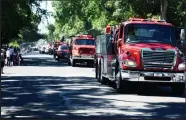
pixel 59 42
pixel 79 36
pixel 141 20
pixel 136 21
pixel 146 21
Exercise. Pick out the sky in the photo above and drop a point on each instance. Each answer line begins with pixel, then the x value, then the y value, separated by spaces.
pixel 43 25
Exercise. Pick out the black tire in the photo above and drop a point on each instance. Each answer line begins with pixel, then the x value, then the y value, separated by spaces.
pixel 122 86
pixel 96 70
pixel 101 79
pixel 58 59
pixel 54 56
pixel 69 63
pixel 119 84
pixel 99 72
pixel 178 89
pixel 73 63
pixel 90 64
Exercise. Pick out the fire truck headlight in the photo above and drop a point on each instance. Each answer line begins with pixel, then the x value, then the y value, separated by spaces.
pixel 182 66
pixel 129 63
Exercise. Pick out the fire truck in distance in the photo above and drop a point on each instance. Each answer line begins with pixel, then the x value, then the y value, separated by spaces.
pixel 82 49
pixel 140 51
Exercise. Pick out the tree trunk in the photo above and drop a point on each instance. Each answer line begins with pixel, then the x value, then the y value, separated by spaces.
pixel 163 9
pixel 184 48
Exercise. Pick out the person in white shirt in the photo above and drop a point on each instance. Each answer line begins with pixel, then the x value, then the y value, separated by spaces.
pixel 8 56
pixel 11 56
pixel 2 60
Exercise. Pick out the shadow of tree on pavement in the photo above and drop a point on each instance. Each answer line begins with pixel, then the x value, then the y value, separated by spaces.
pixel 76 97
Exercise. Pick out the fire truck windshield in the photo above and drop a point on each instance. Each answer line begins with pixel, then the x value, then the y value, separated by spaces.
pixel 63 47
pixel 84 42
pixel 149 33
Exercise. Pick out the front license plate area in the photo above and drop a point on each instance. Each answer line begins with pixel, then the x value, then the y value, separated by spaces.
pixel 86 56
pixel 158 75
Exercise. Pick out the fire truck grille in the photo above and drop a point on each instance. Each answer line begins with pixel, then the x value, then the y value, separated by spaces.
pixel 158 59
pixel 86 50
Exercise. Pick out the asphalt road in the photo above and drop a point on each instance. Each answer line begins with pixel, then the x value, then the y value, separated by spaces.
pixel 45 88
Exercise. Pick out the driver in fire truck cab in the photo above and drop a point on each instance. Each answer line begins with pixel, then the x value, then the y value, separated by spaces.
pixel 131 34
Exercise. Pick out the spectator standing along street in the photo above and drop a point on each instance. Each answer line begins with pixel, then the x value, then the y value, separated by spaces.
pixel 8 53
pixel 11 56
pixel 2 60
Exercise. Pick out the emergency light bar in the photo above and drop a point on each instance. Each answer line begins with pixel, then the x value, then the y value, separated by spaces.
pixel 160 21
pixel 148 20
pixel 84 36
pixel 136 19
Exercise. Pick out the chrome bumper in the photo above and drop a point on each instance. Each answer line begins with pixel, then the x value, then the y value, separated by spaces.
pixel 83 57
pixel 140 76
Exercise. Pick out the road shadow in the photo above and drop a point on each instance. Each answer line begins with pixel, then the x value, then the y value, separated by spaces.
pixel 74 97
pixel 149 89
pixel 48 62
pixel 43 62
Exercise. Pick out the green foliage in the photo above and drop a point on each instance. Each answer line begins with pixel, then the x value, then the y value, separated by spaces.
pixel 18 20
pixel 91 16
pixel 14 44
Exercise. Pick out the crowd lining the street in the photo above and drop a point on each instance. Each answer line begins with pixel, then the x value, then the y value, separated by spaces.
pixel 10 56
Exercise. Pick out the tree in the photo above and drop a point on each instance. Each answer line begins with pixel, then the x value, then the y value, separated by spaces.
pixel 91 16
pixel 17 16
pixel 51 29
pixel 184 48
pixel 163 8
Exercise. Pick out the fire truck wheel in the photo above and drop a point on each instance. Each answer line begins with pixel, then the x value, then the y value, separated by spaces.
pixel 96 70
pixel 119 85
pixel 101 79
pixel 99 72
pixel 178 89
pixel 122 86
pixel 69 63
pixel 90 64
pixel 58 59
pixel 73 63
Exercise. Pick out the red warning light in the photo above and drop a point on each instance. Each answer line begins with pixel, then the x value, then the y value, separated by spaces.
pixel 108 29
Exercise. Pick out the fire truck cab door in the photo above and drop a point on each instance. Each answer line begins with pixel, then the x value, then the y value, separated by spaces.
pixel 110 58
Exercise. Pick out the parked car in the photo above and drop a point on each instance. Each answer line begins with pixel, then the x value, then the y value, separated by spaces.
pixel 63 53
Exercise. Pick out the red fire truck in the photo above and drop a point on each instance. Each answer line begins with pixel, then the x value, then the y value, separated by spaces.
pixel 140 51
pixel 82 49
